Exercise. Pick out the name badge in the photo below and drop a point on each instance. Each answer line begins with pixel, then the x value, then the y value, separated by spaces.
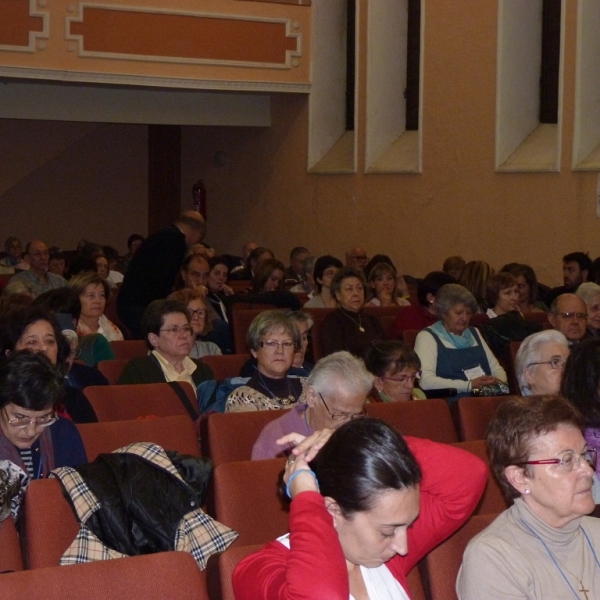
pixel 474 372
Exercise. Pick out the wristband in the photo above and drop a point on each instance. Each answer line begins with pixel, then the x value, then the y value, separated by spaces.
pixel 294 475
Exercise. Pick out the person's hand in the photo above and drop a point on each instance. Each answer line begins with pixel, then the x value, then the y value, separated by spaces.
pixel 308 446
pixel 202 289
pixel 483 380
pixel 305 481
pixel 385 298
pixel 225 289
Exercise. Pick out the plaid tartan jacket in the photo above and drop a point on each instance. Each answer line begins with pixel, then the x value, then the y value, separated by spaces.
pixel 196 533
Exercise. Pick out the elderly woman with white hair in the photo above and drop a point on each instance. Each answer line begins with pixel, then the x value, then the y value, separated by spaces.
pixel 336 392
pixel 454 355
pixel 590 293
pixel 540 362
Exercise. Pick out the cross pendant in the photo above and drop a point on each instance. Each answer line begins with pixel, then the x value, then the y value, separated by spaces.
pixel 584 592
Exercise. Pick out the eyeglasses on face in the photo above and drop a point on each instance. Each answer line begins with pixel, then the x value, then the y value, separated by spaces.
pixel 199 312
pixel 274 345
pixel 568 461
pixel 556 363
pixel 38 422
pixel 176 330
pixel 577 316
pixel 404 378
pixel 341 416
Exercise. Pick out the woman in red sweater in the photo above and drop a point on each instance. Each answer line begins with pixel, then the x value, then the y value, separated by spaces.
pixel 365 511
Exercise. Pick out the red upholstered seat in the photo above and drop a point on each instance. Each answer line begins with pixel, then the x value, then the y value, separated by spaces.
pixel 226 365
pixel 10 550
pixel 474 414
pixel 112 369
pixel 128 349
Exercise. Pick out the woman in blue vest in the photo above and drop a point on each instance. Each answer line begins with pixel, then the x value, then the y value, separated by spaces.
pixel 454 355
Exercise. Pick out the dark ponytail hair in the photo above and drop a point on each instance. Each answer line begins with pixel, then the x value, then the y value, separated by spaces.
pixel 362 459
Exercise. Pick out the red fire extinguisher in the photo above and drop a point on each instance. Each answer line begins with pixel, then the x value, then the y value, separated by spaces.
pixel 199 197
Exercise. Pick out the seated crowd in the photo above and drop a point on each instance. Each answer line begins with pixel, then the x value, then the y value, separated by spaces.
pixel 366 504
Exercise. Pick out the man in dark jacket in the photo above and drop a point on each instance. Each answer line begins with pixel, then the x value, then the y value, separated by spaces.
pixel 154 268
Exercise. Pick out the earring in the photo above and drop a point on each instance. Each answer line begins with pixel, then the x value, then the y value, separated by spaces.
pixel 527 491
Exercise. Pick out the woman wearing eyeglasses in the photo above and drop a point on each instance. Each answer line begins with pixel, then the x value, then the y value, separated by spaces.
pixel 540 362
pixel 169 337
pixel 543 546
pixel 200 321
pixel 273 338
pixel 396 369
pixel 32 436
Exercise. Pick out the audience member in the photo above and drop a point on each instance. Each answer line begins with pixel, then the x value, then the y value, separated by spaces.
pixel 194 272
pixel 32 435
pixel 421 316
pixel 94 293
pixel 242 261
pixel 383 286
pixel 501 294
pixel 348 327
pixel 453 355
pixel 453 266
pixel 134 241
pixel 169 337
pixel 540 362
pixel 247 273
pixel 474 277
pixel 37 278
pixel 273 338
pixel 14 255
pixel 324 271
pixel 218 290
pixel 357 257
pixel 543 546
pixel 354 530
pixel 396 369
pixel 308 285
pixel 56 262
pixel 154 268
pixel 590 293
pixel 200 321
pixel 528 287
pixel 268 276
pixel 576 270
pixel 336 392
pixel 568 314
pixel 295 272
pixel 114 277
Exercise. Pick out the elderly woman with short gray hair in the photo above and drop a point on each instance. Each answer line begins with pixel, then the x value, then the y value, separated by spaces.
pixel 540 362
pixel 273 339
pixel 590 293
pixel 454 355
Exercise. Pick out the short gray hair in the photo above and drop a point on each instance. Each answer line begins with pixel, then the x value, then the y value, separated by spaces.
pixel 450 295
pixel 529 352
pixel 270 321
pixel 341 370
pixel 309 265
pixel 346 273
pixel 588 292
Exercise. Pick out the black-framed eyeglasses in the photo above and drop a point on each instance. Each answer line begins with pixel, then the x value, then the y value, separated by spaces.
pixel 274 344
pixel 199 312
pixel 557 363
pixel 568 461
pixel 38 422
pixel 572 315
pixel 342 416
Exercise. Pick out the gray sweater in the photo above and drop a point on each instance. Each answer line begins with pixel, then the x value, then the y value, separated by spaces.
pixel 507 561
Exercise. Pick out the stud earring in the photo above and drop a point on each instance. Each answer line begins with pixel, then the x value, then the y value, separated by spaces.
pixel 527 491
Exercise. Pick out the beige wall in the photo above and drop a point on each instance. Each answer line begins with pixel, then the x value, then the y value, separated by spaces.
pixel 64 181
pixel 457 205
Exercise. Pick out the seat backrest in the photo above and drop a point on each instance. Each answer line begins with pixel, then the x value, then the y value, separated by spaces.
pixel 231 436
pixel 10 550
pixel 226 365
pixel 383 311
pixel 493 500
pixel 124 402
pixel 247 500
pixel 474 414
pixel 149 577
pixel 112 369
pixel 441 565
pixel 409 337
pixel 537 316
pixel 172 433
pixel 219 570
pixel 128 349
pixel 422 418
pixel 48 524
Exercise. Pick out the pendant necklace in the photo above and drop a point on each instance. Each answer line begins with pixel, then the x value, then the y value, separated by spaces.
pixel 360 327
pixel 289 399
